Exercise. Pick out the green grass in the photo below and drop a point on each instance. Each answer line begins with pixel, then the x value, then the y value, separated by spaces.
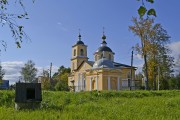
pixel 123 105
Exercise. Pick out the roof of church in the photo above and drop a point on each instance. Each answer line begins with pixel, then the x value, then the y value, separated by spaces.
pixel 90 63
pixel 104 48
pixel 121 65
pixel 103 63
pixel 108 65
pixel 79 43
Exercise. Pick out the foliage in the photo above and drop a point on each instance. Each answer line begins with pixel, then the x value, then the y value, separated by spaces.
pixel 45 82
pixel 10 19
pixel 61 78
pixel 7 98
pixel 2 73
pixel 107 105
pixel 29 71
pixel 61 85
pixel 153 48
pixel 143 10
pixel 177 64
pixel 174 82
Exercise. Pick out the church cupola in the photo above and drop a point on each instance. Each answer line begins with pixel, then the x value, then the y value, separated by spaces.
pixel 103 40
pixel 108 53
pixel 79 53
pixel 79 42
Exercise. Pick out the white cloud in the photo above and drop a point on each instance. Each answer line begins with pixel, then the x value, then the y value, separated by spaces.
pixel 139 67
pixel 13 68
pixel 59 23
pixel 138 56
pixel 40 70
pixel 175 47
pixel 62 26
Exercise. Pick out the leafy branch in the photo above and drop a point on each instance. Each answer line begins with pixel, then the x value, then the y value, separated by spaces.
pixel 143 10
pixel 10 19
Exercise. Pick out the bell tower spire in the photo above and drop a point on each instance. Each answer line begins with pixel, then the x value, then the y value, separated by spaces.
pixel 79 36
pixel 79 53
pixel 103 38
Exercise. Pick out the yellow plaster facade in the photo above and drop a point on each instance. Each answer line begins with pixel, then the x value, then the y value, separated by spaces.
pixel 102 73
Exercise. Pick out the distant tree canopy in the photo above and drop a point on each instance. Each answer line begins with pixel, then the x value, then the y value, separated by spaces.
pixel 61 78
pixel 29 71
pixel 45 80
pixel 2 73
pixel 10 18
pixel 177 64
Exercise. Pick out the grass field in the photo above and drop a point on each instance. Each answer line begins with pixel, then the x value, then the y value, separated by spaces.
pixel 123 105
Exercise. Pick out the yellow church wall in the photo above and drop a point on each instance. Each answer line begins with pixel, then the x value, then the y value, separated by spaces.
pixel 125 72
pixel 82 70
pixel 114 83
pixel 105 83
pixel 100 82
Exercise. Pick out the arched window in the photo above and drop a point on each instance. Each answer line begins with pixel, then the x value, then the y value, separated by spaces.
pixel 101 55
pixel 74 52
pixel 93 85
pixel 82 52
pixel 109 56
pixel 96 57
pixel 84 83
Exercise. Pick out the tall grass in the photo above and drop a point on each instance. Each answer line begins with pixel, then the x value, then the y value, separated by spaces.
pixel 123 105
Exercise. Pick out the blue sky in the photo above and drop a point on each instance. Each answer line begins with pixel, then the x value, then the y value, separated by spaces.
pixel 53 29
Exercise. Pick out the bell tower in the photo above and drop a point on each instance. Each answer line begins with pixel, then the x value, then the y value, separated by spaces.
pixel 79 54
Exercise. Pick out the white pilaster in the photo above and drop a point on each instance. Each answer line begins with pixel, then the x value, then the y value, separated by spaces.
pixel 82 80
pixel 109 83
pixel 118 85
pixel 91 84
pixel 78 82
pixel 97 83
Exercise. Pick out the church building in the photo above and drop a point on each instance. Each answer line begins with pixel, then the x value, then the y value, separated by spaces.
pixel 101 74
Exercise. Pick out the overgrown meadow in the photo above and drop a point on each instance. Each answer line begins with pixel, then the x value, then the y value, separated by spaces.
pixel 122 105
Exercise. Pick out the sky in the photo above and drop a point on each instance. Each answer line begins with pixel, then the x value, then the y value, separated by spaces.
pixel 54 26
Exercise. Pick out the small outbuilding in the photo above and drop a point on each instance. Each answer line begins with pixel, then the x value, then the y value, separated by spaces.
pixel 28 95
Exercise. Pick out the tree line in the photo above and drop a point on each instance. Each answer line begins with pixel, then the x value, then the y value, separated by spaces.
pixel 58 81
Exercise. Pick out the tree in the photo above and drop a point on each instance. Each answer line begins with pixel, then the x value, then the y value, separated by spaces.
pixel 177 64
pixel 153 48
pixel 2 73
pixel 141 29
pixel 61 78
pixel 10 19
pixel 45 82
pixel 29 71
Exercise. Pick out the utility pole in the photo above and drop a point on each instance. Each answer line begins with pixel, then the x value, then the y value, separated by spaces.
pixel 131 69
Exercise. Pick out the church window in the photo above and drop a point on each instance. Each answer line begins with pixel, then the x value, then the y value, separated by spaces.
pixel 84 83
pixel 96 57
pixel 74 52
pixel 109 56
pixel 93 85
pixel 101 55
pixel 82 52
